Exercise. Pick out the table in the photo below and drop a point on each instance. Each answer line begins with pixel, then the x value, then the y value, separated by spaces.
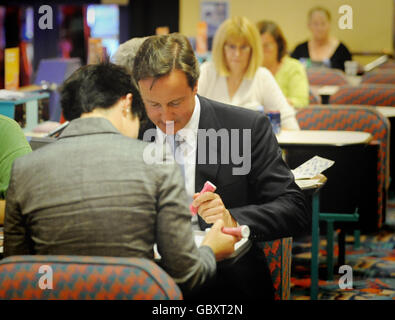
pixel 324 92
pixel 388 112
pixel 317 142
pixel 30 115
pixel 287 138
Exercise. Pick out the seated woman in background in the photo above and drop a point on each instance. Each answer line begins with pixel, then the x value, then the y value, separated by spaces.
pixel 289 73
pixel 323 49
pixel 92 193
pixel 235 75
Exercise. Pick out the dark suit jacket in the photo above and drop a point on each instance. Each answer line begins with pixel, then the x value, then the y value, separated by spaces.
pixel 266 198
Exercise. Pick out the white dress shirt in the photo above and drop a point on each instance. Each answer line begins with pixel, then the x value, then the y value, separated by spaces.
pixel 188 148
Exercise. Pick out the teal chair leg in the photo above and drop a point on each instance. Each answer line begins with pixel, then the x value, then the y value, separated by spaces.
pixel 330 218
pixel 329 250
pixel 315 246
pixel 357 239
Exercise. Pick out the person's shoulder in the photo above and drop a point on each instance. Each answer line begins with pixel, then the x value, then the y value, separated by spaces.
pixel 7 124
pixel 230 114
pixel 301 50
pixel 301 46
pixel 342 47
pixel 263 71
pixel 208 67
pixel 263 76
pixel 292 63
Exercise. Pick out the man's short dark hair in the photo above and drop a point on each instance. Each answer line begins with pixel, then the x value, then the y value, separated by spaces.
pixel 160 55
pixel 97 86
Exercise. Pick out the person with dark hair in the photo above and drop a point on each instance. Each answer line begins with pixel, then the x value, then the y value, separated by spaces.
pixel 289 73
pixel 81 96
pixel 92 193
pixel 257 189
pixel 322 49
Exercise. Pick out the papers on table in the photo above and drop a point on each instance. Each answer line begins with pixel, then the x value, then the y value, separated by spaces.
pixel 12 95
pixel 312 168
pixel 308 183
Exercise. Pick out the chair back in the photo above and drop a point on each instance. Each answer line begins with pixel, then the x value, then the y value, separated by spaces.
pixel 326 76
pixel 354 118
pixel 278 256
pixel 385 76
pixel 81 277
pixel 365 94
pixel 390 64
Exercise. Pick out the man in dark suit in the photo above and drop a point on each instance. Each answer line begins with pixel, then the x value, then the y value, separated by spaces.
pixel 255 188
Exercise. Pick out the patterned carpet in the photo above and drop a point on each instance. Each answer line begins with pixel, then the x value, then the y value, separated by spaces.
pixel 373 267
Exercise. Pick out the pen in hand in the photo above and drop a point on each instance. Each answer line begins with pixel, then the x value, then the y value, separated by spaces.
pixel 239 232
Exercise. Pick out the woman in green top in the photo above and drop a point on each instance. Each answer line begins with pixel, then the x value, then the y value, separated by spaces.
pixel 289 73
pixel 13 144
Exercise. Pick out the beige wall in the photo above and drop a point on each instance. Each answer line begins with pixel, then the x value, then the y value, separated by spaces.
pixel 372 20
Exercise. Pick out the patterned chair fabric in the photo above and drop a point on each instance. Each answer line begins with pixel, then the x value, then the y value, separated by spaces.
pixel 326 76
pixel 354 118
pixel 365 94
pixel 278 256
pixel 83 277
pixel 390 64
pixel 386 76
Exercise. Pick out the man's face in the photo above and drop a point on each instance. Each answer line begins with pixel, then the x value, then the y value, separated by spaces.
pixel 169 99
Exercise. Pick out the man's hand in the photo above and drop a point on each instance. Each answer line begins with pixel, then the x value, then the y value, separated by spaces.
pixel 222 244
pixel 211 208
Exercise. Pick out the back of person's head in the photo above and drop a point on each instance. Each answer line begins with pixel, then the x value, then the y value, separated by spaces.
pixel 237 27
pixel 97 86
pixel 159 55
pixel 319 9
pixel 126 53
pixel 274 30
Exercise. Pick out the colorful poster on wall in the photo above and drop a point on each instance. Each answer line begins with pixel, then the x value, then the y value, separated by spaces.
pixel 213 13
pixel 11 65
pixel 95 50
pixel 201 38
pixel 162 30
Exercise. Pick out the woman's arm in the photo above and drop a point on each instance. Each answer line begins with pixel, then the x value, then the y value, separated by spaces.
pixel 271 97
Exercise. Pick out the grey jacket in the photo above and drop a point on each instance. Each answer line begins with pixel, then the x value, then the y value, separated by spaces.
pixel 91 193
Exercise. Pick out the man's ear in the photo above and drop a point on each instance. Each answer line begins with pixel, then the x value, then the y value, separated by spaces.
pixel 195 88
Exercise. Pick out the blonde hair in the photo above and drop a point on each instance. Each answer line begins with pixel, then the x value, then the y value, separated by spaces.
pixel 239 27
